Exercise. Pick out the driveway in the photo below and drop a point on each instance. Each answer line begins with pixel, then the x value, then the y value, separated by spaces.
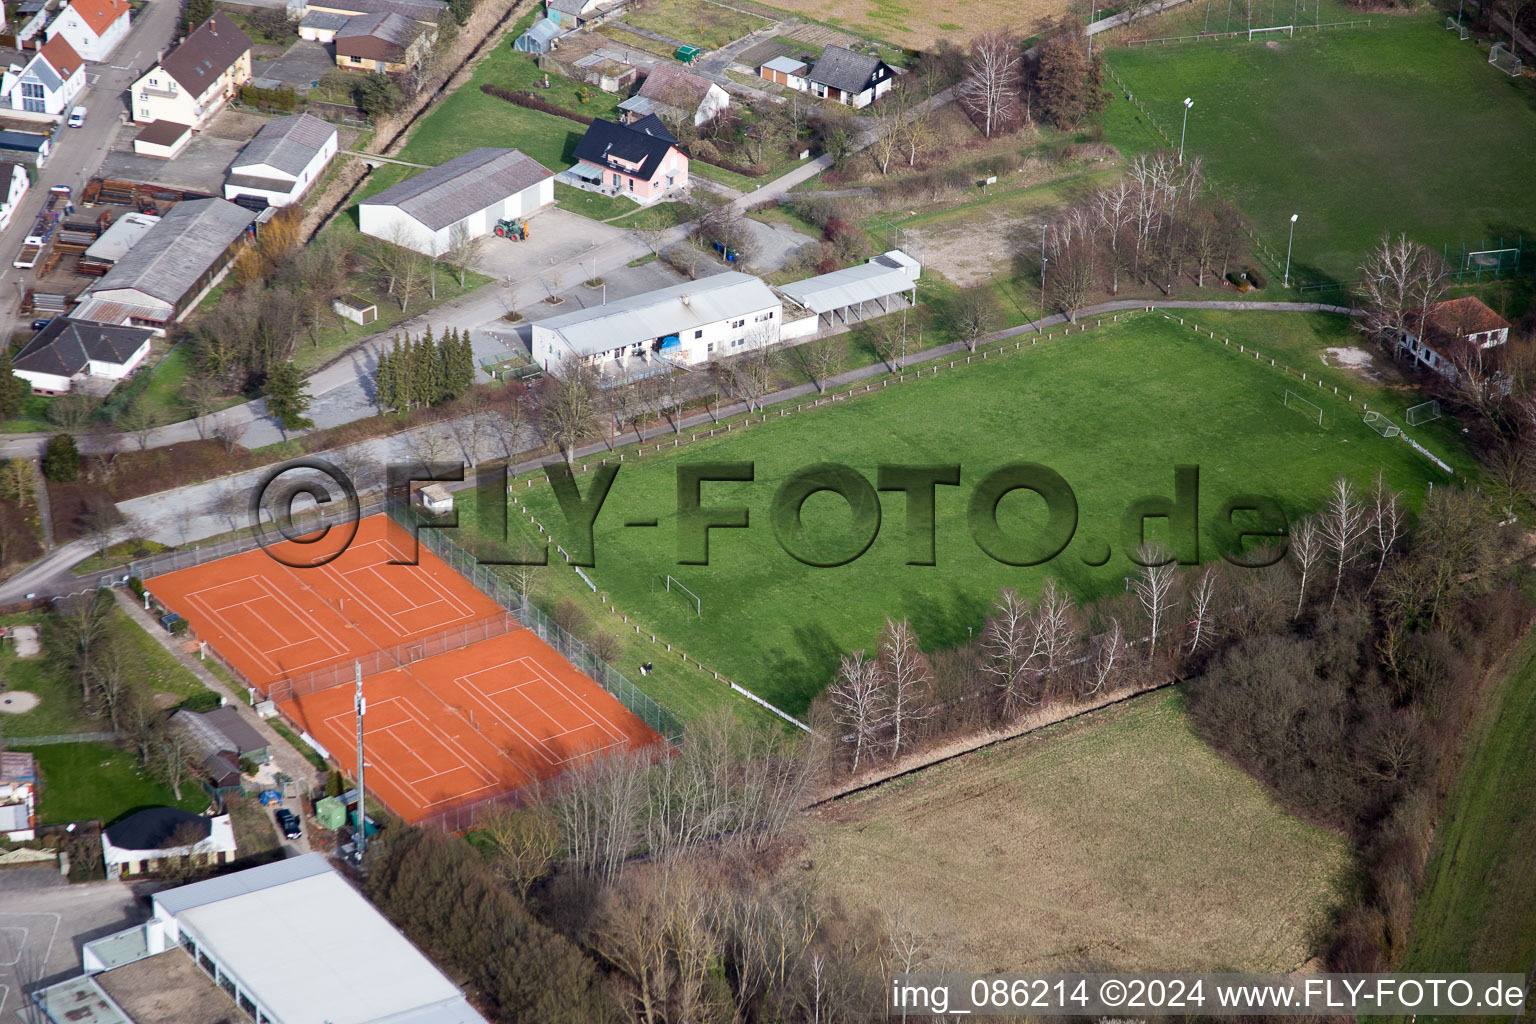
pixel 305 63
pixel 43 924
pixel 201 167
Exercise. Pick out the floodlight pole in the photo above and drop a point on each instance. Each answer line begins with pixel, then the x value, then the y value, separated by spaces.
pixel 1287 282
pixel 1093 11
pixel 1040 326
pixel 1183 131
pixel 360 703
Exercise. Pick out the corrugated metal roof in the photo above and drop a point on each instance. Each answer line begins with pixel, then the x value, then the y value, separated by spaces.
pixel 121 236
pixel 168 261
pixel 287 143
pixel 864 283
pixel 787 65
pixel 104 311
pixel 198 894
pixel 656 314
pixel 464 185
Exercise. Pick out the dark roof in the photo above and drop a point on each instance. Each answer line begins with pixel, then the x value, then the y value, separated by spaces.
pixel 240 732
pixel 66 346
pixel 162 133
pixel 840 68
pixel 645 142
pixel 287 143
pixel 206 54
pixel 569 6
pixel 29 142
pixel 427 11
pixel 151 829
pixel 377 36
pixel 464 185
pixel 329 20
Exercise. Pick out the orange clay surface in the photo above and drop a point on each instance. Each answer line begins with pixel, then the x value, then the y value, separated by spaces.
pixel 440 732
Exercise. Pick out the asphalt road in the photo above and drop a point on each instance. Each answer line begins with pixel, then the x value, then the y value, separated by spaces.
pixel 79 151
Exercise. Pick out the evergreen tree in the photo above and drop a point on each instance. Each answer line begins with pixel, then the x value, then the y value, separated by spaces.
pixel 384 384
pixel 466 379
pixel 287 401
pixel 430 382
pixel 403 369
pixel 61 458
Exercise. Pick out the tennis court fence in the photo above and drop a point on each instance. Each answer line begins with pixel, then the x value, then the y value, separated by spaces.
pixel 568 646
pixel 396 656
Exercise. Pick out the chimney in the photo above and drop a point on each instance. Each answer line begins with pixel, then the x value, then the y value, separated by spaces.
pixel 685 298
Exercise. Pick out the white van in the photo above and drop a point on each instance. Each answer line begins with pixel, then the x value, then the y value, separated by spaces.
pixel 77 117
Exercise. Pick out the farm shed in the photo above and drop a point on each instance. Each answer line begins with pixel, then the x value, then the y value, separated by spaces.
pixel 474 190
pixel 856 293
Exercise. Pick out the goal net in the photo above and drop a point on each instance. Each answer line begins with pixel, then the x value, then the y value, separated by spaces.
pixel 672 586
pixel 1383 426
pixel 1453 25
pixel 1307 409
pixel 1424 412
pixel 1504 60
pixel 1492 259
pixel 1289 30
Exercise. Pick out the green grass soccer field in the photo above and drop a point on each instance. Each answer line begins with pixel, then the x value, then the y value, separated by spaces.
pixel 1357 131
pixel 1113 411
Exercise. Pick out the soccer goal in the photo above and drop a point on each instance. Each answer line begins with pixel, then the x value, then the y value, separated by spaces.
pixel 1307 409
pixel 670 585
pixel 1253 33
pixel 1425 412
pixel 1454 25
pixel 1383 426
pixel 1504 60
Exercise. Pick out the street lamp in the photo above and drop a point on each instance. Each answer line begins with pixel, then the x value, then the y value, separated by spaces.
pixel 1187 104
pixel 1287 282
pixel 1040 324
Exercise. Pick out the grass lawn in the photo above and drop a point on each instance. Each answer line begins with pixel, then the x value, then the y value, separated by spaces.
pixel 1118 839
pixel 1359 131
pixel 695 21
pixel 1085 406
pixel 87 781
pixel 117 554
pixel 1475 911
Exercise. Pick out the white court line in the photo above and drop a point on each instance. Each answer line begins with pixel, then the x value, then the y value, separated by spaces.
pixel 615 736
pixel 261 654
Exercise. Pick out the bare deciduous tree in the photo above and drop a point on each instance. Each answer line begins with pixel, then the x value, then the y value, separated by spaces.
pixel 1152 587
pixel 464 250
pixel 863 705
pixel 1107 647
pixel 907 678
pixel 1344 523
pixel 1202 609
pixel 1009 644
pixel 527 843
pixel 990 90
pixel 1307 549
pixel 1388 522
pixel 1399 280
pixel 570 405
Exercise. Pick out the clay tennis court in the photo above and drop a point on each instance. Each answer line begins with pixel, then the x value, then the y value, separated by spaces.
pixel 272 622
pixel 440 730
pixel 467 725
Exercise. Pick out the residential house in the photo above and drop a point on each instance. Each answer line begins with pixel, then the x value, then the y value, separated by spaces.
pixel 670 91
pixel 1459 335
pixel 786 71
pixel 192 83
pixel 134 845
pixel 18 795
pixel 70 351
pixel 13 185
pixel 640 160
pixel 171 267
pixel 855 79
pixel 92 27
pixel 471 192
pixel 382 42
pixel 687 323
pixel 425 12
pixel 576 13
pixel 283 160
pixel 46 86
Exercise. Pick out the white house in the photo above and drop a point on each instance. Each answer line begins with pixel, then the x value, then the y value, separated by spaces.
pixel 44 88
pixel 68 351
pixel 92 27
pixel 196 79
pixel 688 323
pixel 283 160
pixel 669 89
pixel 13 185
pixel 474 190
pixel 1457 332
pixel 133 845
pixel 855 79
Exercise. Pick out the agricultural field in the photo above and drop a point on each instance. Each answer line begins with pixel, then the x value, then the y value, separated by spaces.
pixel 1475 911
pixel 1359 131
pixel 918 26
pixel 1086 406
pixel 698 22
pixel 1117 841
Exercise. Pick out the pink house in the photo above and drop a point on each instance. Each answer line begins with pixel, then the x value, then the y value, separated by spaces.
pixel 640 160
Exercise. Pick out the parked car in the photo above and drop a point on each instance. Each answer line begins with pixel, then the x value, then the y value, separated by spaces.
pixel 289 823
pixel 77 117
pixel 42 322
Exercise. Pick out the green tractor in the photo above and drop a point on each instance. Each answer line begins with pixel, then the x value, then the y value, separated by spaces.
pixel 517 230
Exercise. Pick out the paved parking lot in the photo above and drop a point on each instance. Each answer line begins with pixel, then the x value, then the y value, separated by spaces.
pixel 201 167
pixel 305 63
pixel 43 924
pixel 554 236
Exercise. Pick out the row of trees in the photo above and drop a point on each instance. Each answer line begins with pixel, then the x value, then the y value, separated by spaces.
pixel 1002 90
pixel 424 371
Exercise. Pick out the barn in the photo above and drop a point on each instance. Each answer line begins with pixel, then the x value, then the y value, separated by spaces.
pixel 474 190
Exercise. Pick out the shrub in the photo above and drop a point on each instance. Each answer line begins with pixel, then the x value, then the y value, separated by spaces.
pixel 532 102
pixel 61 458
pixel 1255 277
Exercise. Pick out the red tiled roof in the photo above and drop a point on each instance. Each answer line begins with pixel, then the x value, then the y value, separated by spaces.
pixel 1464 316
pixel 61 56
pixel 99 15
